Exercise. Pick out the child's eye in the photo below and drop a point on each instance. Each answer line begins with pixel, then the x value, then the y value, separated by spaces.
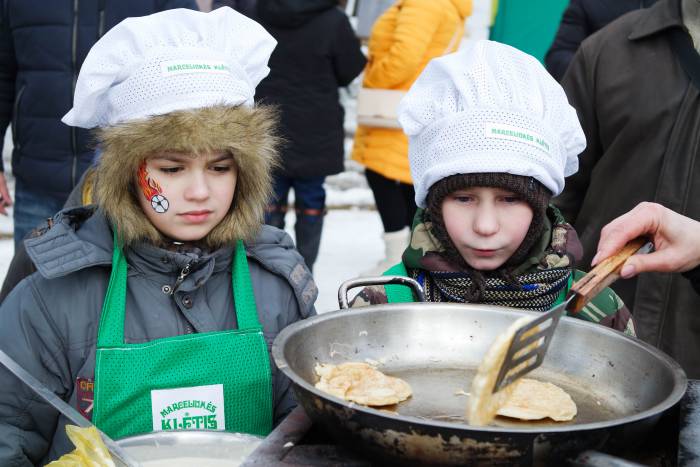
pixel 170 170
pixel 463 199
pixel 512 199
pixel 221 168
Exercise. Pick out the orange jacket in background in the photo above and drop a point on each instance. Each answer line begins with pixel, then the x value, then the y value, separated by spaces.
pixel 403 40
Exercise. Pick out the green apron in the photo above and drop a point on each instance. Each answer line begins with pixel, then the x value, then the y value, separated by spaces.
pixel 215 380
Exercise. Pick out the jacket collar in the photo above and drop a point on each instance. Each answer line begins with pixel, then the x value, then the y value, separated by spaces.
pixel 664 14
pixel 162 264
pixel 82 237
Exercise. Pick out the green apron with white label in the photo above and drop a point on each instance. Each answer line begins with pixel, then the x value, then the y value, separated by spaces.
pixel 193 381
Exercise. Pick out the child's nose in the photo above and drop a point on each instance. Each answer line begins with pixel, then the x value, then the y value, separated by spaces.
pixel 486 222
pixel 197 189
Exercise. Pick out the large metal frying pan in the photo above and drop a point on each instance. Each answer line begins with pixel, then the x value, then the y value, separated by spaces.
pixel 621 385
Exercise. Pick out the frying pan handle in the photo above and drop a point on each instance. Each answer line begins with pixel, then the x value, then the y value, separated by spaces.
pixel 379 280
pixel 605 273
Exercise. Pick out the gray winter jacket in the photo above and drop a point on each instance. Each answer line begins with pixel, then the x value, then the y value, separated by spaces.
pixel 49 322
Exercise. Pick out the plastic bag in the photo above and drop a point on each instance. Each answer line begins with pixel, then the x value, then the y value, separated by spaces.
pixel 89 451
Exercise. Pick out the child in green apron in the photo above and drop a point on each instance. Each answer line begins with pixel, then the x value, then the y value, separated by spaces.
pixel 491 138
pixel 155 308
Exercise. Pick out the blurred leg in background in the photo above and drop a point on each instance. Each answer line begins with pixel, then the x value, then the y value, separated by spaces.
pixel 396 205
pixel 277 209
pixel 309 206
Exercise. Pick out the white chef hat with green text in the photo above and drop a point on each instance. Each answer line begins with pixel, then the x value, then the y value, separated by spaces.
pixel 168 61
pixel 489 108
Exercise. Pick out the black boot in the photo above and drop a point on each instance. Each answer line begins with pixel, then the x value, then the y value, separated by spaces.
pixel 308 227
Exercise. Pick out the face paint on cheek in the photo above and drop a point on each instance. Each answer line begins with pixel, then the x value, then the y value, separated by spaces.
pixel 152 191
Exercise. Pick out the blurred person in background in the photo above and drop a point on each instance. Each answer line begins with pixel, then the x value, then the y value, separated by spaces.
pixel 403 40
pixel 581 19
pixel 636 87
pixel 247 7
pixel 41 51
pixel 317 52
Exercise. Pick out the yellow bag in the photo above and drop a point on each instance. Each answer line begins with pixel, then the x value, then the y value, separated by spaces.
pixel 89 451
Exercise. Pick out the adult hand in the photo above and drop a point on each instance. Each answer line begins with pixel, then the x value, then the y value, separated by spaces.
pixel 5 198
pixel 676 240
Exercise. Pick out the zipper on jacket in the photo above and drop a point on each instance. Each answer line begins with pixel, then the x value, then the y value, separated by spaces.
pixel 183 274
pixel 74 64
pixel 189 329
pixel 15 117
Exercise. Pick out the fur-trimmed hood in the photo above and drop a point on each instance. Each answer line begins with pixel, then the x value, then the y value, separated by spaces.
pixel 247 133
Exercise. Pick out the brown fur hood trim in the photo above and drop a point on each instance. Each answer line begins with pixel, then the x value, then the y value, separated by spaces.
pixel 248 133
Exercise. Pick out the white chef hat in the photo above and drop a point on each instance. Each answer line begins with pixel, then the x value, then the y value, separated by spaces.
pixel 173 60
pixel 489 108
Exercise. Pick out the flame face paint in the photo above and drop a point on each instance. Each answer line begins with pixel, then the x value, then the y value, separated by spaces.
pixel 152 191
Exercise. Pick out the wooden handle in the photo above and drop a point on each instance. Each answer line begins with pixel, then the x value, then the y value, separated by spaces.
pixel 604 274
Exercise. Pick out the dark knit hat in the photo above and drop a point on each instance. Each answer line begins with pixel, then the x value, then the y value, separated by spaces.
pixel 531 190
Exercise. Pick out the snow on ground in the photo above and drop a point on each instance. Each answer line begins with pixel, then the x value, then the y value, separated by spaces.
pixel 350 244
pixel 6 249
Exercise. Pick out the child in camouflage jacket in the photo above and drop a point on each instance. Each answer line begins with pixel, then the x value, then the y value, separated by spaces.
pixel 491 138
